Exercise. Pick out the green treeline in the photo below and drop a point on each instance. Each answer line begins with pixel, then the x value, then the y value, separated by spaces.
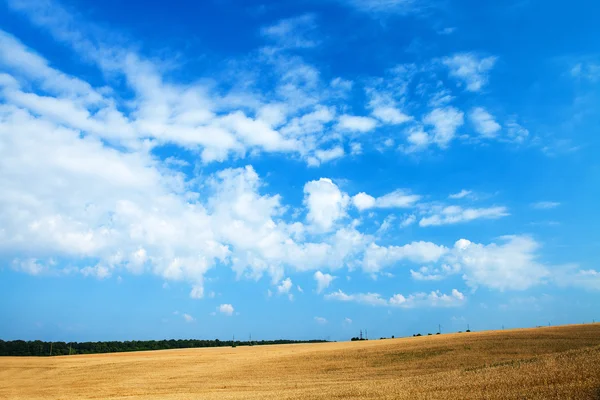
pixel 39 348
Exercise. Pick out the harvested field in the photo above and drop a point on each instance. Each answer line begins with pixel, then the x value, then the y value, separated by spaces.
pixel 541 363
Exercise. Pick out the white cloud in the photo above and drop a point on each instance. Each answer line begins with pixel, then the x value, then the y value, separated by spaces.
pixel 323 156
pixel 445 122
pixel 323 280
pixel 408 220
pixel 187 317
pixel 363 298
pixel 292 32
pixel 447 31
pixel 347 321
pixel 382 6
pixel 354 123
pixel 99 199
pixel 417 139
pixel 435 274
pixel 470 69
pixel 355 148
pixel 484 122
pixel 573 276
pixel 516 133
pixel 285 286
pixel 390 115
pixel 320 320
pixel 363 201
pixel 545 205
pixel 460 195
pixel 378 257
pixel 386 224
pixel 511 265
pixel 326 203
pixel 396 199
pixel 226 309
pixel 589 71
pixel 432 299
pixel 457 214
pixel 299 289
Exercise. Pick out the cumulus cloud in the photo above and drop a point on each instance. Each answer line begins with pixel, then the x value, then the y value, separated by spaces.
pixel 396 199
pixel 363 201
pixel 484 122
pixel 100 200
pixel 352 123
pixel 326 203
pixel 320 320
pixel 226 309
pixel 510 265
pixel 390 115
pixel 285 286
pixel 470 69
pixel 323 280
pixel 187 317
pixel 445 122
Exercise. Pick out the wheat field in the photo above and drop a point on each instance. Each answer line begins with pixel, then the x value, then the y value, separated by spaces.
pixel 541 363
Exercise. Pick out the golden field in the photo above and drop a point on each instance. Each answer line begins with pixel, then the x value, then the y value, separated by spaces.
pixel 540 363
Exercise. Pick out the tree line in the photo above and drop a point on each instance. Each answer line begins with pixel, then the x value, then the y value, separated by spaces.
pixel 40 348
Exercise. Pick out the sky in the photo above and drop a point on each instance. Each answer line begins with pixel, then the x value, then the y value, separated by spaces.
pixel 298 170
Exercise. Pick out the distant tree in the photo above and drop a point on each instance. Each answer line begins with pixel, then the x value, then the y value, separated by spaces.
pixel 393 337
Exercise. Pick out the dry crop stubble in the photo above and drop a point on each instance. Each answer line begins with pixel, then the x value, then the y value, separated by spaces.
pixel 541 363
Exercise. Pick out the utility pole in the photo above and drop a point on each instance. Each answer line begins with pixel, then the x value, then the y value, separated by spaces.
pixel 366 335
pixel 360 337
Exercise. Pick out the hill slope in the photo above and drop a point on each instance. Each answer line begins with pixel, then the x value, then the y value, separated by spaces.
pixel 541 363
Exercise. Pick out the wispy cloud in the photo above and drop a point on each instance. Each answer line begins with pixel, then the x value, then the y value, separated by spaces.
pixel 432 299
pixel 545 205
pixel 457 214
pixel 378 7
pixel 460 195
pixel 484 122
pixel 293 32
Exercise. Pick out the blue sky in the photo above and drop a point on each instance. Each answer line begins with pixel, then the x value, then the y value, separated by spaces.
pixel 301 170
